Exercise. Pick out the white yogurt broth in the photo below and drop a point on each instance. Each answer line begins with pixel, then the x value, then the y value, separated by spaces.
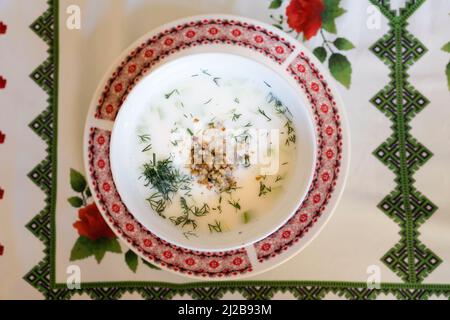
pixel 186 106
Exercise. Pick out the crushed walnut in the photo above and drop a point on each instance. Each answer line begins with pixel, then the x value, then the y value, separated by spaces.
pixel 209 161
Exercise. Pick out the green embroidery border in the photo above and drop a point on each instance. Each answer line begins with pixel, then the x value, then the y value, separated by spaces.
pixel 402 153
pixel 42 276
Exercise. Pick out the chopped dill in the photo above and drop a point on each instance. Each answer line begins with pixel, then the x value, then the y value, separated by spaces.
pixel 263 189
pixel 205 72
pixel 291 138
pixel 208 102
pixel 216 227
pixel 235 204
pixel 189 234
pixel 216 81
pixel 267 84
pixel 145 138
pixel 264 114
pixel 162 177
pixel 191 133
pixel 170 94
pixel 185 219
pixel 236 116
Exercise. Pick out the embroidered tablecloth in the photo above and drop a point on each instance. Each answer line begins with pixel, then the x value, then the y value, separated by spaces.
pixel 390 234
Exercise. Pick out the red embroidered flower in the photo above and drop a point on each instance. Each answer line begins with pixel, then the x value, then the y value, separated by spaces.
pixel 2 83
pixel 266 247
pixel 315 87
pixel 301 68
pixel 129 227
pixel 214 264
pixel 92 225
pixel 3 27
pixel 324 108
pixel 305 16
pixel 325 176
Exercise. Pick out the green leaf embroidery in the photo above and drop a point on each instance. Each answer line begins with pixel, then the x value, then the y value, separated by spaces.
pixel 75 202
pixel 113 245
pixel 151 266
pixel 99 252
pixel 320 53
pixel 329 15
pixel 341 69
pixel 77 181
pixel 446 48
pixel 81 250
pixel 132 260
pixel 85 248
pixel 88 193
pixel 447 71
pixel 101 246
pixel 343 44
pixel 275 4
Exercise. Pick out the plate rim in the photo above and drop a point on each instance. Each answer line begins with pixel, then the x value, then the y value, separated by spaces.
pixel 318 226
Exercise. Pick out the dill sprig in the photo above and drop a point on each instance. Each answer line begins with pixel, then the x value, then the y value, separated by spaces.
pixel 264 189
pixel 162 177
pixel 146 138
pixel 236 116
pixel 170 94
pixel 187 211
pixel 216 227
pixel 235 204
pixel 291 137
pixel 264 114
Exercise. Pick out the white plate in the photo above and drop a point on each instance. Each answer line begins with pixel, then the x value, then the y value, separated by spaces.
pixel 269 53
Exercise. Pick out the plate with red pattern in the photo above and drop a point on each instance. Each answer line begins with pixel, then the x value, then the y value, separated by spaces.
pixel 239 37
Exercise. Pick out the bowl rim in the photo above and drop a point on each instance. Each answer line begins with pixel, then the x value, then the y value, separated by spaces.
pixel 299 196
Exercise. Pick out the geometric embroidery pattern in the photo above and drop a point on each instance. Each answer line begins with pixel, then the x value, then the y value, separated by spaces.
pixel 411 260
pixel 42 276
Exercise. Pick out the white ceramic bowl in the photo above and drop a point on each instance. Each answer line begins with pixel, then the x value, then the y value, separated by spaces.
pixel 126 175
